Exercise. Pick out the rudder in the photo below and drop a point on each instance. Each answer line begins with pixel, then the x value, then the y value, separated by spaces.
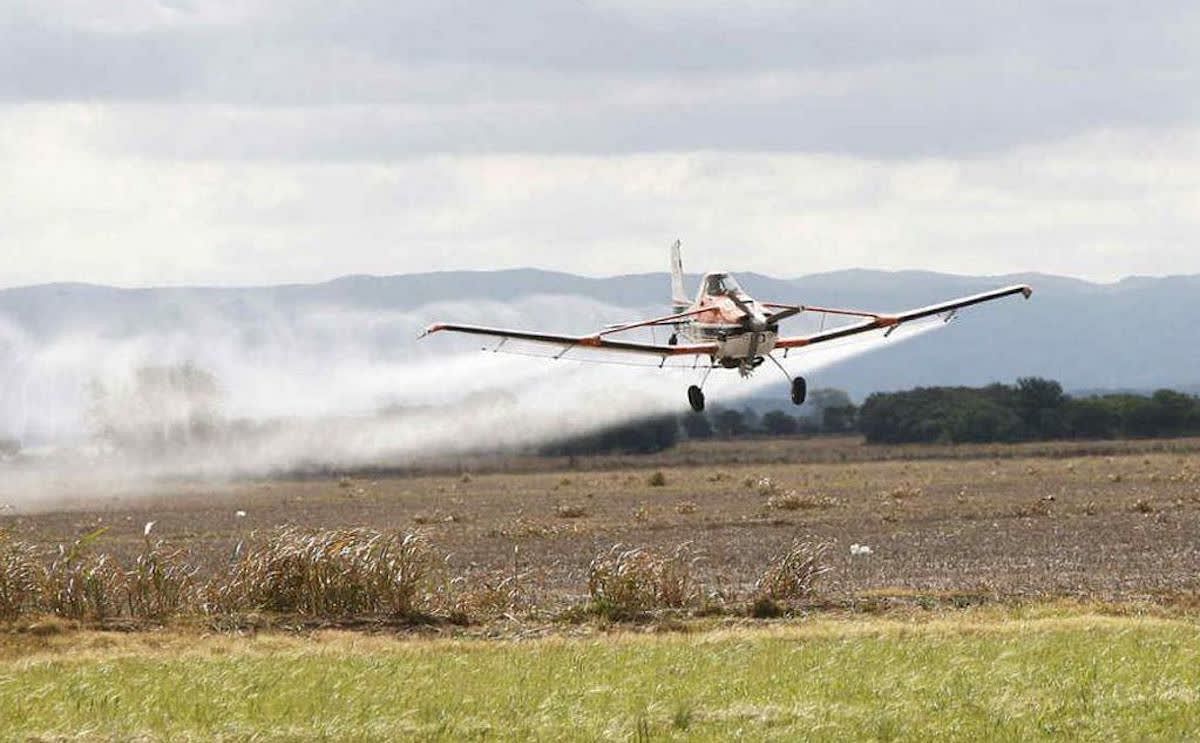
pixel 679 296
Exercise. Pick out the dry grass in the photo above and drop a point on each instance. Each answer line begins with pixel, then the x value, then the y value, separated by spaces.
pixel 20 575
pixel 329 573
pixel 571 510
pixel 793 501
pixel 792 576
pixel 1092 539
pixel 80 584
pixel 623 582
pixel 161 583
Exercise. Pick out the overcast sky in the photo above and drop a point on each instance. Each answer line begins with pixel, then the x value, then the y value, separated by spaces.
pixel 187 142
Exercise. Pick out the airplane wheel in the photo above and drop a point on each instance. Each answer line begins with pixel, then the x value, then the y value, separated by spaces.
pixel 799 391
pixel 696 398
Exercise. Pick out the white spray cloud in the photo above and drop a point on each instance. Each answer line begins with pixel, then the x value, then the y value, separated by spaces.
pixel 310 389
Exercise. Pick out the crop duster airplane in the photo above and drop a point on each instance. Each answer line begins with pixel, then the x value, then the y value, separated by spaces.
pixel 725 328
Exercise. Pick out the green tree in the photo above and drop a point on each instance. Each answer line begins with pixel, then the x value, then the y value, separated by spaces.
pixel 697 426
pixel 731 423
pixel 1039 402
pixel 779 423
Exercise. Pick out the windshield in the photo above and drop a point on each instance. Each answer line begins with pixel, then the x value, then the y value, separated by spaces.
pixel 722 284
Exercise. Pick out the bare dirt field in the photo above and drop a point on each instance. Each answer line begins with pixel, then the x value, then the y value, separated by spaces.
pixel 1112 521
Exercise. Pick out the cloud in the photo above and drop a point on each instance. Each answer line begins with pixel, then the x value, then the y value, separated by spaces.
pixel 382 80
pixel 180 142
pixel 1100 205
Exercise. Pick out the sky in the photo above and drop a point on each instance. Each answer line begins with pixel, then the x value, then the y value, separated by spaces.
pixel 180 142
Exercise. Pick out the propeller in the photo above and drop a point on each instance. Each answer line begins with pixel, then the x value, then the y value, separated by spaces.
pixel 752 319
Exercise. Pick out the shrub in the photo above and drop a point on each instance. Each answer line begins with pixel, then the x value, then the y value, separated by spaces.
pixel 657 480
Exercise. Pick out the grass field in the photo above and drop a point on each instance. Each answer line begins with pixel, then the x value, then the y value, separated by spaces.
pixel 978 674
pixel 1008 593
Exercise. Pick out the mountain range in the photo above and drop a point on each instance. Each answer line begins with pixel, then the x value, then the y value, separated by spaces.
pixel 1138 333
pixel 350 345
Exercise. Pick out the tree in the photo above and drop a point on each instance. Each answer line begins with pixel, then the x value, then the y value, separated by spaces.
pixel 697 426
pixel 644 436
pixel 779 423
pixel 839 419
pixel 731 423
pixel 1039 402
pixel 1091 418
pixel 981 420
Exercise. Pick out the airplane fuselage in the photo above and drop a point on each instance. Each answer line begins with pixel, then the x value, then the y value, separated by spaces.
pixel 726 315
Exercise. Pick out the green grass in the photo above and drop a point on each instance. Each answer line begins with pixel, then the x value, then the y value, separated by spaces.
pixel 973 675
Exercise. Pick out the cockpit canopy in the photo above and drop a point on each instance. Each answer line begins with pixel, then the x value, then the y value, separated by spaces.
pixel 721 285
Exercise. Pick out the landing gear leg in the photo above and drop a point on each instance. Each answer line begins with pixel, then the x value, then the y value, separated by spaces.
pixel 799 385
pixel 696 393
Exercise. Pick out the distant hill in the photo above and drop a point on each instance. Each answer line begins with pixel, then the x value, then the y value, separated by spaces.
pixel 342 345
pixel 1139 333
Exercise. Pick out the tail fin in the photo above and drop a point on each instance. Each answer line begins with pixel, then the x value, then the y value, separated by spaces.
pixel 679 296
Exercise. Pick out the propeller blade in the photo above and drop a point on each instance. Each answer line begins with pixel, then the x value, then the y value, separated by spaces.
pixel 783 314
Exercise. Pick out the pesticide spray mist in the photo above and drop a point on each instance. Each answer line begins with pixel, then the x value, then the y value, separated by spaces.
pixel 329 388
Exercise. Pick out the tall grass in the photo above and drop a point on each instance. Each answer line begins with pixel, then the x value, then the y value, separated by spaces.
pixel 80 584
pixel 329 573
pixel 792 575
pixel 350 574
pixel 160 584
pixel 626 581
pixel 20 576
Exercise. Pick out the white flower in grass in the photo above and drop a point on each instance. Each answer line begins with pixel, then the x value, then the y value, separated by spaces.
pixel 148 527
pixel 240 514
pixel 860 549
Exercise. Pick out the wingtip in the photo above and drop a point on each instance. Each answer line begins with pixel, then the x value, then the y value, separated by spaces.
pixel 431 329
pixel 1027 291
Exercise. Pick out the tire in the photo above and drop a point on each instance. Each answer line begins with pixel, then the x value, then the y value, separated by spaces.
pixel 799 391
pixel 696 398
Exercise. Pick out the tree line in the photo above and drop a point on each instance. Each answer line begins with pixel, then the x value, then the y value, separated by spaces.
pixel 1032 409
pixel 830 412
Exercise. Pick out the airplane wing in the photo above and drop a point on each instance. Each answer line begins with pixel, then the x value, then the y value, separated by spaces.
pixel 882 321
pixel 595 341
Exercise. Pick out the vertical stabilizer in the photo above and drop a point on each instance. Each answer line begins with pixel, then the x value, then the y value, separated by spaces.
pixel 679 298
